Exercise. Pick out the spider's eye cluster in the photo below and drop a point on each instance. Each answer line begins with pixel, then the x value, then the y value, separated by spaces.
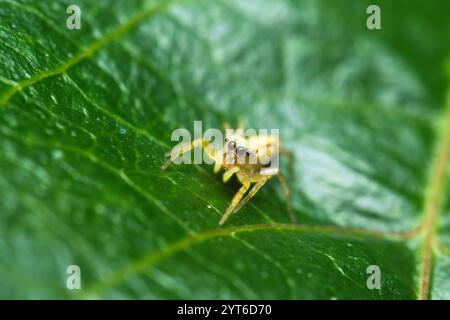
pixel 240 151
pixel 231 145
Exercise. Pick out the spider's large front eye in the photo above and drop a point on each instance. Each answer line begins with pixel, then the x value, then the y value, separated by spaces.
pixel 231 145
pixel 240 151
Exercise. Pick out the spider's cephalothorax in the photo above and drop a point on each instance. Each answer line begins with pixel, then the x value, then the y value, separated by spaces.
pixel 251 159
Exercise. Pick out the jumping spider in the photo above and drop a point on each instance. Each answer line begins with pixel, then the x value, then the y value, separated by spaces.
pixel 237 146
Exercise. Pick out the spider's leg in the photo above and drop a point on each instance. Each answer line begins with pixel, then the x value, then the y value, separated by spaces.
pixel 291 158
pixel 179 150
pixel 251 194
pixel 208 148
pixel 229 173
pixel 237 197
pixel 287 193
pixel 218 161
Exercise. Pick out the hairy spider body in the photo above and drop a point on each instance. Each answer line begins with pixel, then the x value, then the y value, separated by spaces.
pixel 249 158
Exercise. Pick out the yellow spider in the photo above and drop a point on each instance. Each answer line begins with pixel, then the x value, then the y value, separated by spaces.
pixel 261 147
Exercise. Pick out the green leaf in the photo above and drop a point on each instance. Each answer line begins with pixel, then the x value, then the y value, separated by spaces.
pixel 86 117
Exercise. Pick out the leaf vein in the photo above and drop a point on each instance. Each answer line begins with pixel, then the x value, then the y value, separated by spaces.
pixel 89 50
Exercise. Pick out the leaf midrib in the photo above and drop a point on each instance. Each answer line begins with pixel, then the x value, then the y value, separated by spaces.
pixel 434 197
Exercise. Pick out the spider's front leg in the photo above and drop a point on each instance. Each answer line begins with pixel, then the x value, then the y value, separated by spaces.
pixel 252 193
pixel 179 150
pixel 229 173
pixel 237 197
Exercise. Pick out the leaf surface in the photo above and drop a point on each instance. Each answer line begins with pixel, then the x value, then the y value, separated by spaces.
pixel 86 117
